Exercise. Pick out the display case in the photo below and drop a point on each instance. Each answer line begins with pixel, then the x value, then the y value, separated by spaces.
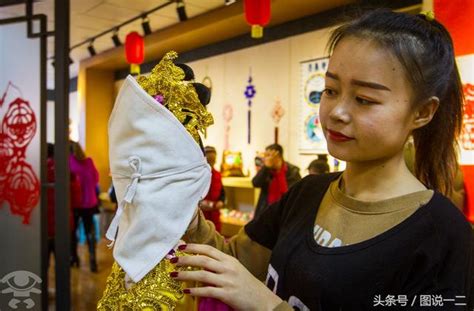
pixel 240 196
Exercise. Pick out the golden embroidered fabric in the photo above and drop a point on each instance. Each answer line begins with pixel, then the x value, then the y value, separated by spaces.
pixel 180 97
pixel 157 291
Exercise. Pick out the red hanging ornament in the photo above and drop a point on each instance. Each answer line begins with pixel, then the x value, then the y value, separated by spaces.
pixel 6 155
pixel 22 190
pixel 19 185
pixel 134 51
pixel 257 14
pixel 19 123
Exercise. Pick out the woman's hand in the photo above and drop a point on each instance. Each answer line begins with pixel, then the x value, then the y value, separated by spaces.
pixel 269 160
pixel 225 279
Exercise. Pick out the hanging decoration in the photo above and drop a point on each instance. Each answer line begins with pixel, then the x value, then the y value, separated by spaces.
pixel 277 113
pixel 257 14
pixel 227 114
pixel 249 94
pixel 19 185
pixel 134 51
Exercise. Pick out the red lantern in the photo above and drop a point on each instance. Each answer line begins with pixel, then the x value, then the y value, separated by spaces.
pixel 257 14
pixel 134 51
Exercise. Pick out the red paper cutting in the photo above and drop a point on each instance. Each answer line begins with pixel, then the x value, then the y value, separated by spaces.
pixel 467 137
pixel 19 185
pixel 468 172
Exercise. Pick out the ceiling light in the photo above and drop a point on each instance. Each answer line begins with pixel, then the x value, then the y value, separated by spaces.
pixel 116 39
pixel 181 10
pixel 146 26
pixel 91 49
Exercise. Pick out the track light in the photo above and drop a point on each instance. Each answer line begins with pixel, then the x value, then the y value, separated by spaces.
pixel 116 39
pixel 91 49
pixel 181 10
pixel 146 26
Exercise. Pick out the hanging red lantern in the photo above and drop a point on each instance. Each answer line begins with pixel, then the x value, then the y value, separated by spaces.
pixel 257 14
pixel 134 51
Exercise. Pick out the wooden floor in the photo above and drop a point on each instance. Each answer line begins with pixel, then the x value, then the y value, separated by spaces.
pixel 86 287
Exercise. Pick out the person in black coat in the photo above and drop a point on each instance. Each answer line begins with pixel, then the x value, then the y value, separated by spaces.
pixel 274 177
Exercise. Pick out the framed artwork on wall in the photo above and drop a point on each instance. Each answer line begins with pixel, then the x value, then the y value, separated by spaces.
pixel 310 134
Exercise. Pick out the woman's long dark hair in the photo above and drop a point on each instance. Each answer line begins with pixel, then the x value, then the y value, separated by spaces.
pixel 425 49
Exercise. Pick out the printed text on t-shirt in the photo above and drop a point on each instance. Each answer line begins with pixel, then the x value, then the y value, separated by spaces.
pixel 325 238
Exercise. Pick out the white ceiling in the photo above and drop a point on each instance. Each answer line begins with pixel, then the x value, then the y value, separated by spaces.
pixel 90 17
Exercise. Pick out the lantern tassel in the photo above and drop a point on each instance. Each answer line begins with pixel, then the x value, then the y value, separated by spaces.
pixel 257 31
pixel 135 69
pixel 249 126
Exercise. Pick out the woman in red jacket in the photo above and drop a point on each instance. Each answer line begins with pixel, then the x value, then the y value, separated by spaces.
pixel 214 200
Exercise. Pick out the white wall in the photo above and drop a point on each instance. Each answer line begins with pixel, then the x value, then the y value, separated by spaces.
pixel 276 74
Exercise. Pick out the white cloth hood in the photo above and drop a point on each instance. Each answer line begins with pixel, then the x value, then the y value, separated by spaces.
pixel 159 174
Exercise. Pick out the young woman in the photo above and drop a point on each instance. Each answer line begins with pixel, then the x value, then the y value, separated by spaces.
pixel 374 235
pixel 83 167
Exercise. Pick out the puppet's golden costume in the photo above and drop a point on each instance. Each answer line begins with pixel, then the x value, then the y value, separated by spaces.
pixel 151 288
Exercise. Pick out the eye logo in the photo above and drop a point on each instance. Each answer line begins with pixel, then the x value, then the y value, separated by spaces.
pixel 21 283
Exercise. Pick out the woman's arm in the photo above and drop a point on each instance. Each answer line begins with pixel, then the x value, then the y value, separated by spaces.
pixel 224 278
pixel 232 281
pixel 444 263
pixel 262 178
pixel 252 255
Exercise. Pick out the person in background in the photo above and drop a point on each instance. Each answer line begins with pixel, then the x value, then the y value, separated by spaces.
pixel 75 197
pixel 274 178
pixel 84 167
pixel 215 198
pixel 319 165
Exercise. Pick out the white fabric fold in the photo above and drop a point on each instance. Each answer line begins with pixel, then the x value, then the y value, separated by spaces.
pixel 159 174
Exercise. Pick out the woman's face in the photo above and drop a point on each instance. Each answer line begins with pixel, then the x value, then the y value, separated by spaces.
pixel 365 110
pixel 211 158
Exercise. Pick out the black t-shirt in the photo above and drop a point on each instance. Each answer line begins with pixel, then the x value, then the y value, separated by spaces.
pixel 428 256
